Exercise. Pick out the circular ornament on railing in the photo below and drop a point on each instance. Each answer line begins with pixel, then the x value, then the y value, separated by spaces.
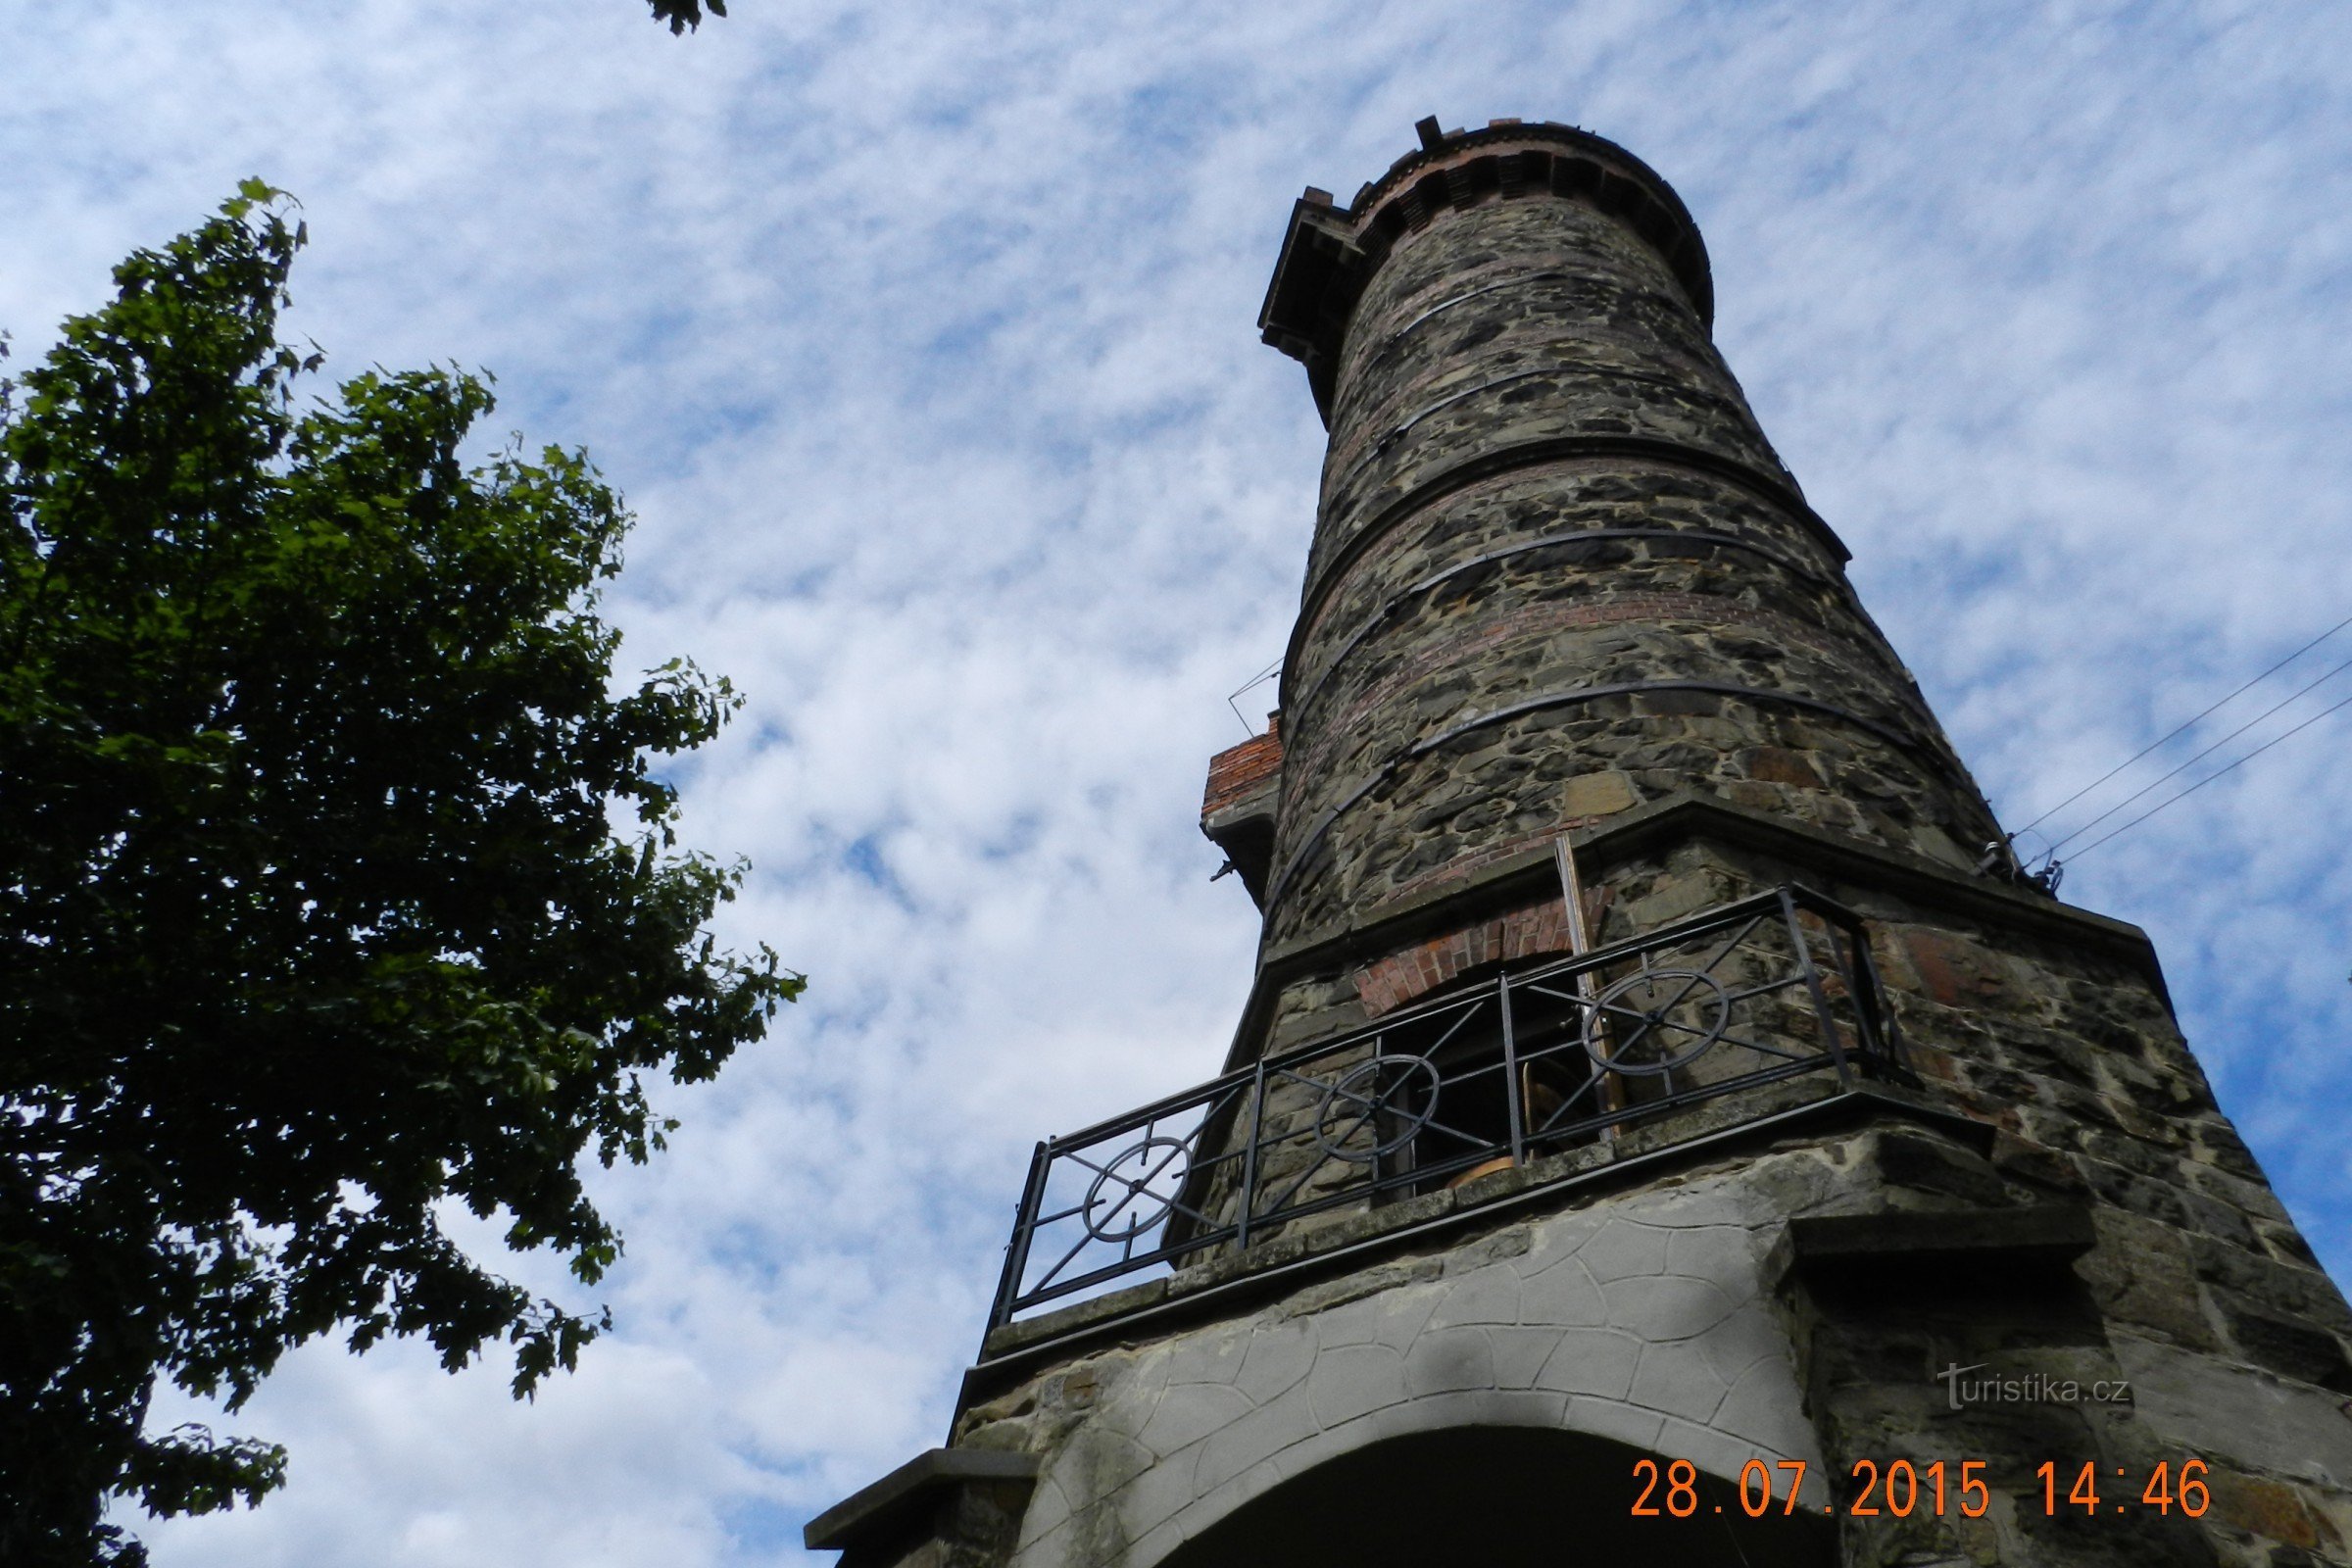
pixel 1151 1172
pixel 1657 1021
pixel 1367 1099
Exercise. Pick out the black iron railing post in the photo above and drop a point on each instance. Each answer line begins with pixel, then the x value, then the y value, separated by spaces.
pixel 1257 1118
pixel 1510 1074
pixel 1881 1012
pixel 1025 1230
pixel 1831 1037
pixel 1865 1030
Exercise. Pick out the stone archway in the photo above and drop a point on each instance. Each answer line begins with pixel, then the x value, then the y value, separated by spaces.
pixel 1494 1497
pixel 1645 1326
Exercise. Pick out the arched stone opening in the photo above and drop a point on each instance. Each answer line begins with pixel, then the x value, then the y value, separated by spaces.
pixel 1498 1498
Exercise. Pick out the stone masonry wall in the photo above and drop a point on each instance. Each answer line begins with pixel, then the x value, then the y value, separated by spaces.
pixel 1543 481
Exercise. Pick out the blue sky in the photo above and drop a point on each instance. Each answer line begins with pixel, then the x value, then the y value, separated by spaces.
pixel 921 336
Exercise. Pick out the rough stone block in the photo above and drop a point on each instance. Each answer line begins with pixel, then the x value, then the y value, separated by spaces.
pixel 2043 1235
pixel 1675 1378
pixel 2306 1292
pixel 1593 1361
pixel 1444 1360
pixel 2279 1512
pixel 1666 1307
pixel 1156 1495
pixel 1251 1441
pixel 1927 1164
pixel 1491 1294
pixel 1353 1380
pixel 1598 794
pixel 1765 1406
pixel 1776 765
pixel 1623 1249
pixel 2251 1420
pixel 2284 1346
pixel 2024 1160
pixel 2141 1274
pixel 1278 1358
pixel 1190 1411
pixel 1612 1418
pixel 2133 1538
pixel 1951 968
pixel 1520 1354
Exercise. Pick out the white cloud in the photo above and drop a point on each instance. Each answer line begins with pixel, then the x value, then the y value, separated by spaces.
pixel 920 335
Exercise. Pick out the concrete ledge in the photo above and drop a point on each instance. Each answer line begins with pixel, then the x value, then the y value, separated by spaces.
pixel 2046 1232
pixel 890 1502
pixel 1935 1250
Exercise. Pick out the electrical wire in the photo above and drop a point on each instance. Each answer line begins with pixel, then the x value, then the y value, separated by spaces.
pixel 2209 777
pixel 1258 679
pixel 2201 755
pixel 2192 724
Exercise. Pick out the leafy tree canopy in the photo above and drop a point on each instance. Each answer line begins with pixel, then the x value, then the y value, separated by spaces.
pixel 684 14
pixel 312 915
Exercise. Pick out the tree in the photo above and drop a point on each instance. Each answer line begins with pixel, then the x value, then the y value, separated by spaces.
pixel 684 14
pixel 313 914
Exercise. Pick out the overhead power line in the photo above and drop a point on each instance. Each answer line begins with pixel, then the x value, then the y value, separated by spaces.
pixel 2184 729
pixel 2207 752
pixel 2209 777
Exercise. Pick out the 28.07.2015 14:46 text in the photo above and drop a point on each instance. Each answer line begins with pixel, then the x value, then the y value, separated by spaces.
pixel 1901 1488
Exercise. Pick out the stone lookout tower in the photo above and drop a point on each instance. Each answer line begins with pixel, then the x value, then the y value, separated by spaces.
pixel 1666 1126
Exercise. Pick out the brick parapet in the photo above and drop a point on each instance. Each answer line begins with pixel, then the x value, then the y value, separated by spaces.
pixel 1241 771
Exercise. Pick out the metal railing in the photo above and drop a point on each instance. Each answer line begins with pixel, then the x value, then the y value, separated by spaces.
pixel 1495 1074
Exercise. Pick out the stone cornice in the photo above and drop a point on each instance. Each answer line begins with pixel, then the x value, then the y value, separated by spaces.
pixel 1330 253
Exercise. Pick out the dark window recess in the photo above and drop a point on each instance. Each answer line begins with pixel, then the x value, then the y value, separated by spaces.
pixel 1445 1096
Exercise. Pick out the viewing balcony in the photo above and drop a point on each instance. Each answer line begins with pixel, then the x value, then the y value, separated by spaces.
pixel 1594 1053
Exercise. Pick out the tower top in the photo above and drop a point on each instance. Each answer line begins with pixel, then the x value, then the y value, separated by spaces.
pixel 1331 252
